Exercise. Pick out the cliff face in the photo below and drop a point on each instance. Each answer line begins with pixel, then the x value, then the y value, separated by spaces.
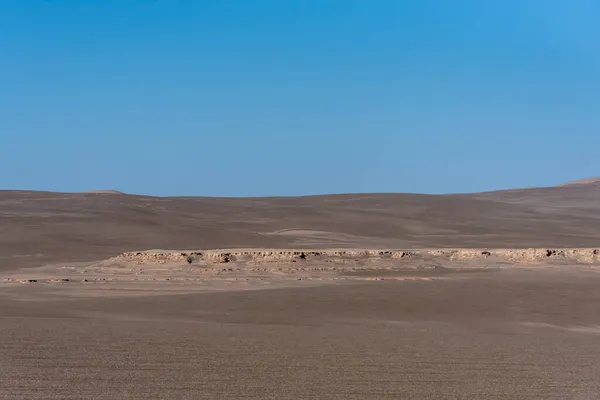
pixel 517 256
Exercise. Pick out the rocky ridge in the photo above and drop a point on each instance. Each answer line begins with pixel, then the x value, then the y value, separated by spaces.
pixel 516 256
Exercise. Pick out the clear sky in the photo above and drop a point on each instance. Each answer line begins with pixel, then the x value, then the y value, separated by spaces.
pixel 290 97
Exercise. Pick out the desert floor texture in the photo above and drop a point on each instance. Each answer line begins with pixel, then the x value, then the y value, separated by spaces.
pixel 365 296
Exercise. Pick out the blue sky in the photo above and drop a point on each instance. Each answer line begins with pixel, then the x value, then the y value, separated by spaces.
pixel 271 97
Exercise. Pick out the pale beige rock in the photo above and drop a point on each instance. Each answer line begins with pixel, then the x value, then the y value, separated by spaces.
pixel 517 256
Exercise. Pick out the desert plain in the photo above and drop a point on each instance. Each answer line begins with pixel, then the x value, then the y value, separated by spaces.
pixel 362 296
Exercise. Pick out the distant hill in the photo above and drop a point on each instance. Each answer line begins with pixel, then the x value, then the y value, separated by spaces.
pixel 582 181
pixel 104 191
pixel 44 227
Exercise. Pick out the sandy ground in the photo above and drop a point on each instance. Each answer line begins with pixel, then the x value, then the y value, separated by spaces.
pixel 518 333
pixel 78 321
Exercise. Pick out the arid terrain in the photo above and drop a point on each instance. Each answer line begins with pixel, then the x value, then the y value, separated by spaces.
pixel 105 295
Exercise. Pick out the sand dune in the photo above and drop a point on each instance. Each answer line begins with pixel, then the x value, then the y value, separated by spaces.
pixel 42 227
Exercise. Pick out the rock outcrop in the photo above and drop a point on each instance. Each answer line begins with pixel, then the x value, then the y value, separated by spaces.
pixel 516 256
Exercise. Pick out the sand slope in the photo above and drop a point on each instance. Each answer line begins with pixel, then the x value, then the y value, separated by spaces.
pixel 42 227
